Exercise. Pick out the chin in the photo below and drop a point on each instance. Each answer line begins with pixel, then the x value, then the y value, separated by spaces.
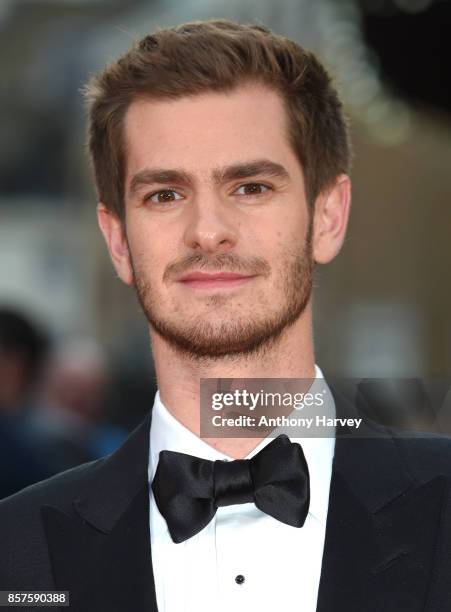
pixel 218 339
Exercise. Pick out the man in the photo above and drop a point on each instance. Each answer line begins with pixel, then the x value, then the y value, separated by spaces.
pixel 221 158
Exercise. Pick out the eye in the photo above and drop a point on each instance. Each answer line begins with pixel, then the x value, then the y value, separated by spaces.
pixel 163 197
pixel 250 189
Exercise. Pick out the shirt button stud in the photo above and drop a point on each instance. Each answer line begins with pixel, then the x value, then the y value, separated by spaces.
pixel 239 579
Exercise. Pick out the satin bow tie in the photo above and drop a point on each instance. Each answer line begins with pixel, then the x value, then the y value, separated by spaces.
pixel 188 490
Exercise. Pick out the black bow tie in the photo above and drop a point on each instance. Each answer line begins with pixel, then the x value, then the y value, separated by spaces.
pixel 188 490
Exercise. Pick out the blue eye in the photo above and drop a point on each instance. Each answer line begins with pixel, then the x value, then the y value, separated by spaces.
pixel 250 189
pixel 164 196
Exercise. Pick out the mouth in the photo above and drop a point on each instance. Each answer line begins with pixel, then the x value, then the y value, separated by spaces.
pixel 218 280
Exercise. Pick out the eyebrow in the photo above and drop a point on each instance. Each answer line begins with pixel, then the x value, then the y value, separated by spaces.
pixel 249 169
pixel 150 176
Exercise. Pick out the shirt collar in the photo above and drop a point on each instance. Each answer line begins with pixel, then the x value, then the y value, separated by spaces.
pixel 167 433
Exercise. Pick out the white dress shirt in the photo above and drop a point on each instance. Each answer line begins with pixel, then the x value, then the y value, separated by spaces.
pixel 280 564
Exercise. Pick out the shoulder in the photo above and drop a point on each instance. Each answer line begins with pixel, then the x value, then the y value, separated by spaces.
pixel 57 490
pixel 423 455
pixel 24 560
pixel 426 455
pixel 100 489
pixel 20 514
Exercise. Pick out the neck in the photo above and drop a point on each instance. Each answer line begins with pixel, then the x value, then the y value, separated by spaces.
pixel 178 376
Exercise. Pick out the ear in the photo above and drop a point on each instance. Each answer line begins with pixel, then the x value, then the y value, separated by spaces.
pixel 113 230
pixel 331 220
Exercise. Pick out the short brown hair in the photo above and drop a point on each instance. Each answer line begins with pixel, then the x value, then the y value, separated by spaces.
pixel 218 55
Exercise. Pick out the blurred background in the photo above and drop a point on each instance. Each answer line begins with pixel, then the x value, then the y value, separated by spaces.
pixel 75 367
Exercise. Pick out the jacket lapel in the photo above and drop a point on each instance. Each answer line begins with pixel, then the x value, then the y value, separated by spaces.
pixel 381 529
pixel 99 542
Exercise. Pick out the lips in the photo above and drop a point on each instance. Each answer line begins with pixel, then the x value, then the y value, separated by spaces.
pixel 215 276
pixel 205 280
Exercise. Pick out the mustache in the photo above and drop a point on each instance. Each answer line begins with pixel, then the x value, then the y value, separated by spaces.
pixel 222 261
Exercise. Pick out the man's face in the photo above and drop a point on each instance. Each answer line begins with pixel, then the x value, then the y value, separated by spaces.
pixel 217 224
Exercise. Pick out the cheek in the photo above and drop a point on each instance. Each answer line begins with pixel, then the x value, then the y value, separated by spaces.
pixel 281 244
pixel 141 247
pixel 151 252
pixel 286 248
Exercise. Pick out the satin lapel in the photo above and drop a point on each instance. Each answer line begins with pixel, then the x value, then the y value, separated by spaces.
pixel 99 542
pixel 381 531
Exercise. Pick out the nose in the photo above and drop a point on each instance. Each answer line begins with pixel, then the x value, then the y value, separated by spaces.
pixel 211 229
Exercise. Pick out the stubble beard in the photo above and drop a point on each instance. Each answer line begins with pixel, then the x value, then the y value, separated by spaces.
pixel 200 339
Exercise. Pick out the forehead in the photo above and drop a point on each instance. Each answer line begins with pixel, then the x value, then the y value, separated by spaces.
pixel 208 130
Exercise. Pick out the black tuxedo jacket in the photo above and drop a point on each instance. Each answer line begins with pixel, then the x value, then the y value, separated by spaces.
pixel 387 547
